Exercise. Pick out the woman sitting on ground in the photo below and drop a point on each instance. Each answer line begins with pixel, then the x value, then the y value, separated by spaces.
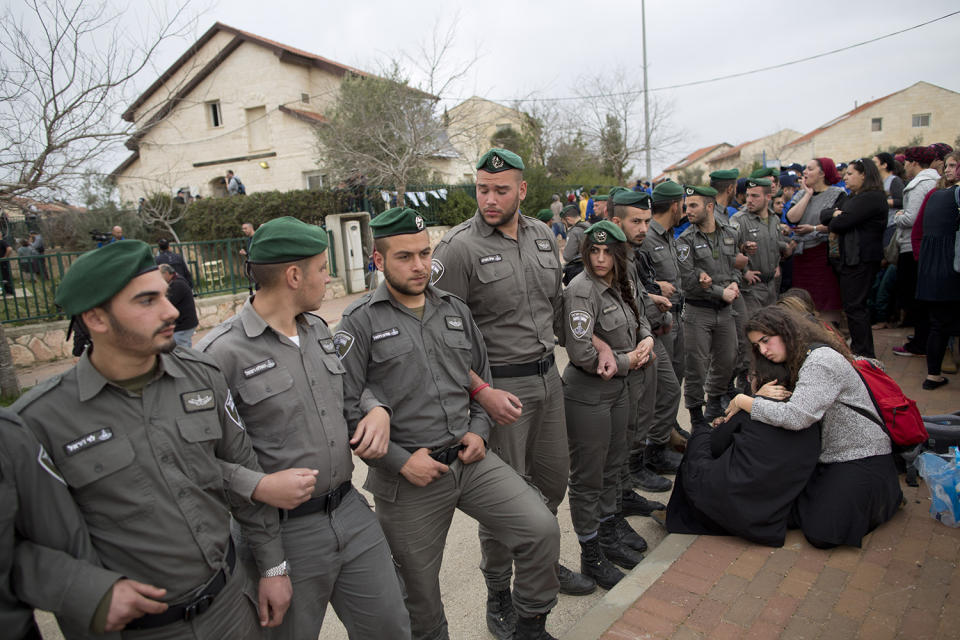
pixel 854 487
pixel 742 477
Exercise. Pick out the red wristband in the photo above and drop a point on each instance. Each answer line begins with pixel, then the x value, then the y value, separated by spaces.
pixel 474 393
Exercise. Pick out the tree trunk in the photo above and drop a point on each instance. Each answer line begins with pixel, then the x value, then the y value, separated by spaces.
pixel 9 385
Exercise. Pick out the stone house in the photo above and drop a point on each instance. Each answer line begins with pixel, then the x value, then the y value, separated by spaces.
pixel 693 162
pixel 746 154
pixel 472 123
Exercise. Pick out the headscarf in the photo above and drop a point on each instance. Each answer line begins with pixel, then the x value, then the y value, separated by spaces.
pixel 830 174
pixel 922 155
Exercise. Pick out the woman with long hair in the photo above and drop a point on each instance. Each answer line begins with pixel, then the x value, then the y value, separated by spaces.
pixel 855 247
pixel 854 487
pixel 600 303
pixel 811 271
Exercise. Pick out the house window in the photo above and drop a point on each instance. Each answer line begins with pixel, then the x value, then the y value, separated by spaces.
pixel 314 180
pixel 214 118
pixel 257 135
pixel 305 98
pixel 503 126
pixel 876 124
pixel 921 120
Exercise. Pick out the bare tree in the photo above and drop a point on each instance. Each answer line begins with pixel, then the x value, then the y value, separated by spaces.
pixel 65 69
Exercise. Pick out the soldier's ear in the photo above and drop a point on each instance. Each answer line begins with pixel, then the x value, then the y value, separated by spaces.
pixel 96 320
pixel 378 260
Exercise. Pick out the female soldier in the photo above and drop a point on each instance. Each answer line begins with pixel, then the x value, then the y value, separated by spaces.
pixel 600 303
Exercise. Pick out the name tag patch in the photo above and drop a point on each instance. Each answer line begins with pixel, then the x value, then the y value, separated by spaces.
pixel 383 335
pixel 87 441
pixel 201 400
pixel 454 322
pixel 259 368
pixel 659 247
pixel 543 245
pixel 327 345
pixel 494 258
pixel 700 246
pixel 610 309
pixel 728 241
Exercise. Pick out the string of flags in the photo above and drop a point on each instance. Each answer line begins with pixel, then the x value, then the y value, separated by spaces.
pixel 416 198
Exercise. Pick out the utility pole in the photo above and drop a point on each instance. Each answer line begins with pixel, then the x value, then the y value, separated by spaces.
pixel 646 91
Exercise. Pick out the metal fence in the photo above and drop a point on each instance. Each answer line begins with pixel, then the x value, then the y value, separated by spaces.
pixel 29 282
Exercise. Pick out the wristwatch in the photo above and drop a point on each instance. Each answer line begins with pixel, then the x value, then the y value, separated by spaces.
pixel 282 569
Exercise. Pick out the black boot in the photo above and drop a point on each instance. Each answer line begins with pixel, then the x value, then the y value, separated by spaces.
pixel 594 564
pixel 659 460
pixel 532 629
pixel 574 584
pixel 697 421
pixel 627 534
pixel 714 408
pixel 614 549
pixel 634 504
pixel 501 616
pixel 645 479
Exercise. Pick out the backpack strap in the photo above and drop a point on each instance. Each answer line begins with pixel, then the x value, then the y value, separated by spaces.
pixel 878 418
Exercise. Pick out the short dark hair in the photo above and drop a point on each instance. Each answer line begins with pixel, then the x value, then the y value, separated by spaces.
pixel 722 185
pixel 163 244
pixel 662 207
pixel 267 275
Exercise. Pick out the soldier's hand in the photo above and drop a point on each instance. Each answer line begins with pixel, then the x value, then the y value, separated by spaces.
pixel 372 437
pixel 753 277
pixel 274 596
pixel 705 280
pixel 803 229
pixel 666 288
pixel 645 350
pixel 663 303
pixel 502 406
pixel 776 272
pixel 740 261
pixel 729 295
pixel 420 469
pixel 286 489
pixel 474 450
pixel 130 600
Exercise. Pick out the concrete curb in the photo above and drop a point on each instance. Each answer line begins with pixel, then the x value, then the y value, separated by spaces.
pixel 613 605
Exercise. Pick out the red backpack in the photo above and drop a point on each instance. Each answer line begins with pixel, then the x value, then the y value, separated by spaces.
pixel 901 418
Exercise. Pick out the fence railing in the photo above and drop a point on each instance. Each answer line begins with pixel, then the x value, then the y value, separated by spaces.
pixel 30 281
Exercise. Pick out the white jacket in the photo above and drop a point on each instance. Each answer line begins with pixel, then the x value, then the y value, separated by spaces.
pixel 913 196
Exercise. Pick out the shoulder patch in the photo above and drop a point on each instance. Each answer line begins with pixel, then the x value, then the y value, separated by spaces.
pixel 343 341
pixel 580 323
pixel 683 251
pixel 230 408
pixel 46 463
pixel 436 270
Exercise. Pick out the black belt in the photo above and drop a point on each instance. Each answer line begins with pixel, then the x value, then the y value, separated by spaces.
pixel 325 503
pixel 705 304
pixel 443 456
pixel 521 370
pixel 190 610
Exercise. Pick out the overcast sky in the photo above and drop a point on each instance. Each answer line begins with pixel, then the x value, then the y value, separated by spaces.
pixel 540 49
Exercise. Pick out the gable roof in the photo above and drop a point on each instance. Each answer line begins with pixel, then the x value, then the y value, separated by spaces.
pixel 841 118
pixel 693 157
pixel 307 116
pixel 730 153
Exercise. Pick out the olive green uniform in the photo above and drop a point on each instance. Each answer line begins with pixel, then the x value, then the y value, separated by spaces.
pixel 709 326
pixel 770 246
pixel 571 250
pixel 660 248
pixel 512 287
pixel 46 559
pixel 419 366
pixel 290 397
pixel 156 475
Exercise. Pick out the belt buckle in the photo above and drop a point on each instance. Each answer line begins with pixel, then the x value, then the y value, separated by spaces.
pixel 197 607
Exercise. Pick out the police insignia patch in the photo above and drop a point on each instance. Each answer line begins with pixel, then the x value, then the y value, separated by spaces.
pixel 543 245
pixel 44 460
pixel 454 323
pixel 201 400
pixel 342 341
pixel 601 236
pixel 327 345
pixel 419 222
pixel 230 408
pixel 436 270
pixel 579 323
pixel 496 161
pixel 683 250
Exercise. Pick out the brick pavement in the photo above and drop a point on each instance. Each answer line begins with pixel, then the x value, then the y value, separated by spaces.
pixel 903 583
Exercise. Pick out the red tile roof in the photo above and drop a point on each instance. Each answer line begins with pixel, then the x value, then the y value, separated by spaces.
pixel 307 116
pixel 693 157
pixel 730 153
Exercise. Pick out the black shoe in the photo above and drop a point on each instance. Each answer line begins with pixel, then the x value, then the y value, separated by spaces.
pixel 656 458
pixel 501 616
pixel 595 565
pixel 930 385
pixel 627 534
pixel 634 504
pixel 714 408
pixel 575 584
pixel 532 629
pixel 647 480
pixel 697 421
pixel 613 548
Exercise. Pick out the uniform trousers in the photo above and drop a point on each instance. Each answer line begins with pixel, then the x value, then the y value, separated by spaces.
pixel 641 395
pixel 673 344
pixel 759 295
pixel 666 392
pixel 597 417
pixel 416 523
pixel 536 447
pixel 711 344
pixel 741 362
pixel 342 558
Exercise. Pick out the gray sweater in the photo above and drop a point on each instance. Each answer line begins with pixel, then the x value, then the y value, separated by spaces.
pixel 826 381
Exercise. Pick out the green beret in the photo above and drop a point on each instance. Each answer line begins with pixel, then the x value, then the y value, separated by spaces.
pixel 667 191
pixel 627 198
pixel 615 190
pixel 98 275
pixel 605 232
pixel 497 160
pixel 696 190
pixel 763 172
pixel 601 198
pixel 545 215
pixel 758 182
pixel 397 221
pixel 284 240
pixel 570 211
pixel 778 194
pixel 725 174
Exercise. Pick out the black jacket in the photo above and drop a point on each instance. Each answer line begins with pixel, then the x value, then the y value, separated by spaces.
pixel 860 227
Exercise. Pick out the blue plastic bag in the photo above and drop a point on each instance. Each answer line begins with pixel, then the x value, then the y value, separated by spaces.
pixel 942 475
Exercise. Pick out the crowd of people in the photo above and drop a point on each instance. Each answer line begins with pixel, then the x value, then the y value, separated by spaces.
pixel 444 381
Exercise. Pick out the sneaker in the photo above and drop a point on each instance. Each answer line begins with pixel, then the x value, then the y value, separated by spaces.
pixel 930 385
pixel 903 351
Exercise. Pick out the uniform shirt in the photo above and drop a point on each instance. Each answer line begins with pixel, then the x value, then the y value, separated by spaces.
pixel 592 307
pixel 766 233
pixel 46 558
pixel 659 247
pixel 420 368
pixel 650 315
pixel 714 254
pixel 571 251
pixel 156 475
pixel 290 397
pixel 512 286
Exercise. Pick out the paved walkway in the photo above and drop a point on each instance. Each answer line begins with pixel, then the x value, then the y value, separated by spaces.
pixel 903 583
